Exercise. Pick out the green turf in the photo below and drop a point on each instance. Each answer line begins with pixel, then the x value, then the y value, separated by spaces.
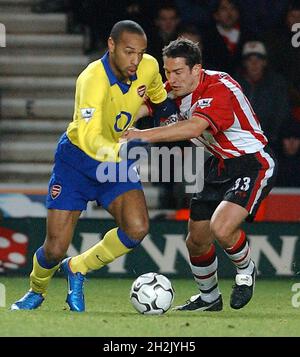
pixel 109 312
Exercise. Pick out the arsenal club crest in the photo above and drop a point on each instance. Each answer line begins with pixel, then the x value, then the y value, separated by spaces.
pixel 141 90
pixel 55 191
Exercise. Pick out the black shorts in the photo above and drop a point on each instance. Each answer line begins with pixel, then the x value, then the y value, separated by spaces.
pixel 245 180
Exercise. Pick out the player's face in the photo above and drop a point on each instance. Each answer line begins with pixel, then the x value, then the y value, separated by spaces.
pixel 255 67
pixel 291 146
pixel 181 77
pixel 126 54
pixel 167 20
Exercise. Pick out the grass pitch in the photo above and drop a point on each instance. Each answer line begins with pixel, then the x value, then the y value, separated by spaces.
pixel 110 314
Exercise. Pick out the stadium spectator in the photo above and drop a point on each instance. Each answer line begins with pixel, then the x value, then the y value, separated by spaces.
pixel 238 176
pixel 289 157
pixel 109 93
pixel 165 29
pixel 266 90
pixel 223 41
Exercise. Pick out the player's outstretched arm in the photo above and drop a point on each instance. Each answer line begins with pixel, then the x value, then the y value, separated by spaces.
pixel 183 130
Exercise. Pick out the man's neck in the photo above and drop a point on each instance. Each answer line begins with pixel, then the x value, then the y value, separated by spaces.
pixel 120 77
pixel 198 81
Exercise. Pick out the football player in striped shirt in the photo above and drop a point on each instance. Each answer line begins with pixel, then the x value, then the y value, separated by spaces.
pixel 214 112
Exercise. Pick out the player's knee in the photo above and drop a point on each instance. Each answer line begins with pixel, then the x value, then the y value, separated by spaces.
pixel 191 242
pixel 138 229
pixel 195 246
pixel 220 230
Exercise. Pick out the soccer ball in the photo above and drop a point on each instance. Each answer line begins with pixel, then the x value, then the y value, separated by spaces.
pixel 152 294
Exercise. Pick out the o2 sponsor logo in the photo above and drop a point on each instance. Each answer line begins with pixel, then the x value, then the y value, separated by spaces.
pixel 122 121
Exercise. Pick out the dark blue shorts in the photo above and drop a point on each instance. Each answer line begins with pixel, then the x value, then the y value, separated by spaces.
pixel 77 178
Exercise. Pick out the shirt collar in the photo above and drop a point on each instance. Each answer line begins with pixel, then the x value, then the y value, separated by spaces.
pixel 111 76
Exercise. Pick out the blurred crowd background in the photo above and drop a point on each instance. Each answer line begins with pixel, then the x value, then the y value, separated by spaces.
pixel 254 41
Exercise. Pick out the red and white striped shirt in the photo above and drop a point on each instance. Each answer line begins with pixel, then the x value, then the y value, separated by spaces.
pixel 234 129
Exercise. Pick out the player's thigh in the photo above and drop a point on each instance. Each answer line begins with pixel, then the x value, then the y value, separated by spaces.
pixel 60 229
pixel 131 214
pixel 199 238
pixel 226 219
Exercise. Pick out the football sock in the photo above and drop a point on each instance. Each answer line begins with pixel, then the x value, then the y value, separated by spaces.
pixel 114 244
pixel 204 269
pixel 42 272
pixel 239 254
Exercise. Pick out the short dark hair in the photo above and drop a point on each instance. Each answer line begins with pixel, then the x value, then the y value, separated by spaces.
pixel 217 5
pixel 184 48
pixel 126 26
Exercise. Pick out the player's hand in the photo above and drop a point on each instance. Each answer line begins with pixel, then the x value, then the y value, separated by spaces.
pixel 129 145
pixel 132 133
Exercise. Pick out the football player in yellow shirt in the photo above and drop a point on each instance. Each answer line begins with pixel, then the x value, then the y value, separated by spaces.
pixel 109 94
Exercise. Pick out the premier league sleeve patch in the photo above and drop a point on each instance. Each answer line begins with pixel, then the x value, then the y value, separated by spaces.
pixel 55 191
pixel 87 113
pixel 204 102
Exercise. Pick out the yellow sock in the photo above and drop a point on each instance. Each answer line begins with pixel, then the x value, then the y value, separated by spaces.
pixel 101 254
pixel 40 277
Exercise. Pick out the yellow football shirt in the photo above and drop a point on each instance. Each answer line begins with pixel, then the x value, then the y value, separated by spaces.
pixel 106 107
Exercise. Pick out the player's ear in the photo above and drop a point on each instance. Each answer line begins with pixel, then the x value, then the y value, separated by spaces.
pixel 196 69
pixel 111 44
